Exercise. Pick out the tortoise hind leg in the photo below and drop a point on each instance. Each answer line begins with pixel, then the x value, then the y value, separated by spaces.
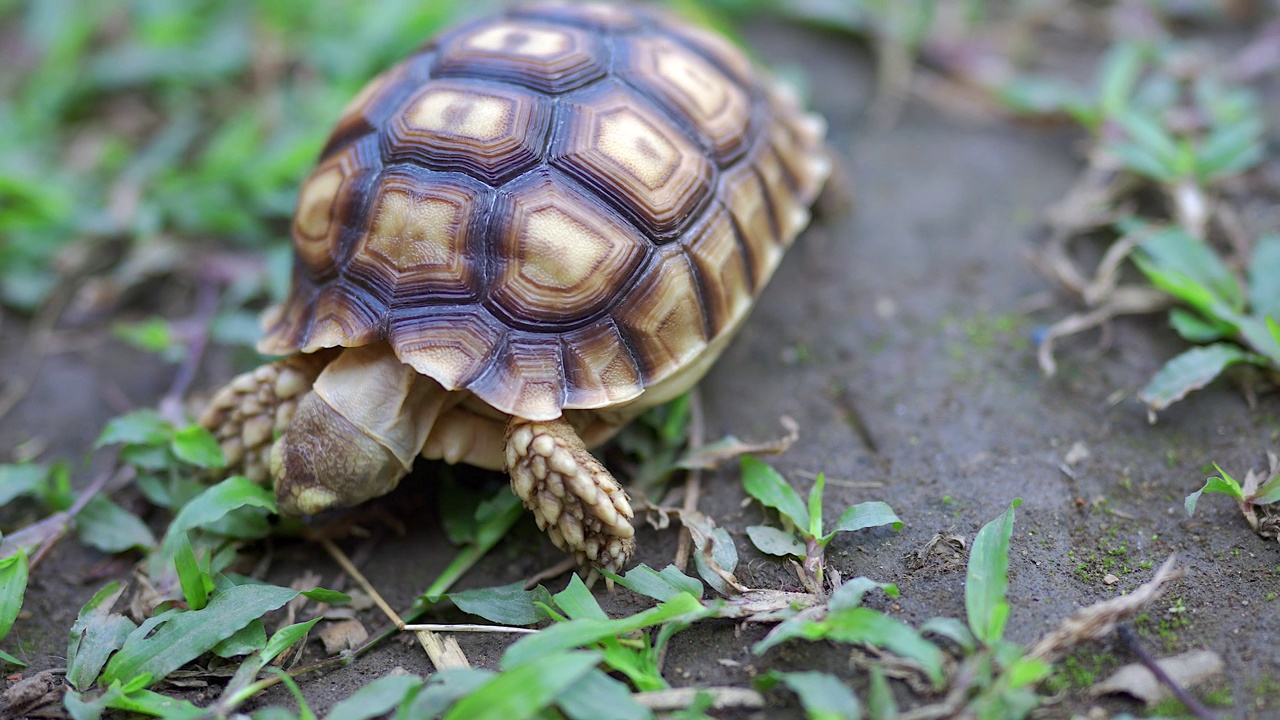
pixel 573 497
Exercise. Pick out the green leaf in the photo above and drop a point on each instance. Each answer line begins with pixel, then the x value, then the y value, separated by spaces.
pixel 248 639
pixel 1268 493
pixel 133 700
pixel 155 334
pixel 377 698
pixel 865 515
pixel 49 484
pixel 197 446
pixel 286 636
pixel 329 597
pixel 1258 335
pixel 96 634
pixel 586 699
pixel 1264 277
pixel 506 605
pixel 522 691
pixel 1121 68
pixel 658 585
pixel 815 506
pixel 1230 149
pixel 1197 329
pixel 953 630
pixel 772 490
pixel 1178 263
pixel 304 711
pixel 851 592
pixel 1225 485
pixel 185 636
pixel 192 579
pixel 1035 95
pixel 860 624
pixel 1150 135
pixel 773 541
pixel 235 692
pixel 110 528
pixel 442 690
pixel 880 701
pixel 823 695
pixel 578 603
pixel 140 427
pixel 1026 671
pixel 580 633
pixel 1142 161
pixel 211 506
pixel 1192 370
pixel 987 579
pixel 18 480
pixel 13 586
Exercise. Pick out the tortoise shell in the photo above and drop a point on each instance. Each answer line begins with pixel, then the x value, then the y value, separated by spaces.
pixel 554 209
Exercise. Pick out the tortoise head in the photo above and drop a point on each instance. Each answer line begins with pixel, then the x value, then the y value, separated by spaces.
pixel 323 461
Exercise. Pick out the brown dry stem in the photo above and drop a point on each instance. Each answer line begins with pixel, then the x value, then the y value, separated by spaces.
pixel 1100 619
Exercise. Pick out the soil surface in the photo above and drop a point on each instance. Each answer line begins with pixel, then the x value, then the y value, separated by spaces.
pixel 897 337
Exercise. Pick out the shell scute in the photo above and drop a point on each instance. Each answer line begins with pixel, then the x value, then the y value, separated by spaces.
pixel 563 207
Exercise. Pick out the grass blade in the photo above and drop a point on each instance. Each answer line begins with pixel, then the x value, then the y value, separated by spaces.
pixel 987 580
pixel 524 690
pixel 13 586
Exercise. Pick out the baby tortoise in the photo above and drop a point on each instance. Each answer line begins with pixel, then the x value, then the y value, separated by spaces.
pixel 515 241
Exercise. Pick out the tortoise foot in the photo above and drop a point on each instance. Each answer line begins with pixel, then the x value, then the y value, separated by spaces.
pixel 573 497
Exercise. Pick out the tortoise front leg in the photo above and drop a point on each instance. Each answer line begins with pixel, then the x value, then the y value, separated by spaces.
pixel 249 412
pixel 573 497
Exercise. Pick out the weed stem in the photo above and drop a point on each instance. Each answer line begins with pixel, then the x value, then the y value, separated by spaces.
pixel 1130 638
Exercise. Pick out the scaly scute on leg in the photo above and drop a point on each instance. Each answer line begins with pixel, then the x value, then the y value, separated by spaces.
pixel 573 497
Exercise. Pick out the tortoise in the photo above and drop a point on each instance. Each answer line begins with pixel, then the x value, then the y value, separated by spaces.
pixel 515 241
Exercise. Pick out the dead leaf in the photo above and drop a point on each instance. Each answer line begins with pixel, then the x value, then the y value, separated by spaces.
pixel 702 529
pixel 1186 670
pixel 342 636
pixel 24 696
pixel 713 455
pixel 772 605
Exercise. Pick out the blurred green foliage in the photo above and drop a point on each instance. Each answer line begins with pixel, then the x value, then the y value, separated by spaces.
pixel 192 119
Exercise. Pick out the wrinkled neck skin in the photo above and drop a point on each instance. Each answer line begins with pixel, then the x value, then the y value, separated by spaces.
pixel 356 434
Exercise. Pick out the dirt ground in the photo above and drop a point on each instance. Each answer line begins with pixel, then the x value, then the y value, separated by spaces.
pixel 897 338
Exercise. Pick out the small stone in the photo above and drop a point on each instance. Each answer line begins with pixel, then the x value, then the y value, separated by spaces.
pixel 1110 579
pixel 343 636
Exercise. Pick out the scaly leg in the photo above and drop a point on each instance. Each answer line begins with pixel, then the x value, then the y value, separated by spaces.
pixel 573 497
pixel 249 412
